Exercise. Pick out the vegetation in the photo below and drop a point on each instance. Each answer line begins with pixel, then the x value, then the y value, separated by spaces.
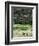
pixel 22 22
pixel 23 27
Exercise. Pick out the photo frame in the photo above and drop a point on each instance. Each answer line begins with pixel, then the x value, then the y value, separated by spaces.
pixel 21 22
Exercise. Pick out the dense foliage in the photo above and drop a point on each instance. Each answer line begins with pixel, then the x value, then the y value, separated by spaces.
pixel 23 15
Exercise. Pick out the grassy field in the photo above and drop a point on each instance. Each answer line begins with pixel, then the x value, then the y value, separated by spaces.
pixel 22 30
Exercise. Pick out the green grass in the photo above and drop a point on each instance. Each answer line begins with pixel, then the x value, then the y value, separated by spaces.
pixel 22 27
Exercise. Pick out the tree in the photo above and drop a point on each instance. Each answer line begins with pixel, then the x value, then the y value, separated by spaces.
pixel 23 15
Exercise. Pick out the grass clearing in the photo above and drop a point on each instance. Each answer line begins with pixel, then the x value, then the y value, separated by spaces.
pixel 21 30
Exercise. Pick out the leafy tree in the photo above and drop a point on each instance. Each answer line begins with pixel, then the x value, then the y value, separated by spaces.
pixel 23 15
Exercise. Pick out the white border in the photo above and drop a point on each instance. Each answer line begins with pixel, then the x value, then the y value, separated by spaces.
pixel 33 24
